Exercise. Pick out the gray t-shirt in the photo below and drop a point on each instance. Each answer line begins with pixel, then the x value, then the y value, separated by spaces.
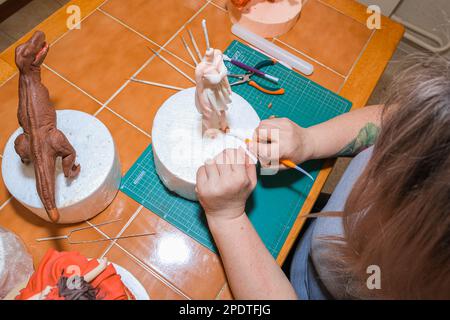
pixel 312 271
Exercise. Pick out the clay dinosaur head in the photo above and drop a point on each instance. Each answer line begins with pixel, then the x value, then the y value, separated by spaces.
pixel 32 53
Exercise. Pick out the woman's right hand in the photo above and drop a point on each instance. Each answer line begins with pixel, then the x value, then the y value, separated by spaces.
pixel 281 138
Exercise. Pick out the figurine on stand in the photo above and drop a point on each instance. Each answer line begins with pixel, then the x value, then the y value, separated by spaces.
pixel 213 92
pixel 41 142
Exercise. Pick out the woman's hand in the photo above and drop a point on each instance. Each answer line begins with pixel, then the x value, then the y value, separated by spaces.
pixel 280 138
pixel 225 183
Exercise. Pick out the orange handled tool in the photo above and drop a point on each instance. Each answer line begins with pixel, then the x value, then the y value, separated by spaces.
pixel 274 92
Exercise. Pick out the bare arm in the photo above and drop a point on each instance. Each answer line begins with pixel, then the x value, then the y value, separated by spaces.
pixel 251 270
pixel 345 135
pixel 223 188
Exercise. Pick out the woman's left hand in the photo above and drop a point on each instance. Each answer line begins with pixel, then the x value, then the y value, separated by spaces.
pixel 225 183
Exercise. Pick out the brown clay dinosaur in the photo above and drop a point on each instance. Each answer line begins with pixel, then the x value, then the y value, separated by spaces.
pixel 41 142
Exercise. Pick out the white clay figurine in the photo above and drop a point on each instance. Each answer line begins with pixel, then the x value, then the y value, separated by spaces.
pixel 213 92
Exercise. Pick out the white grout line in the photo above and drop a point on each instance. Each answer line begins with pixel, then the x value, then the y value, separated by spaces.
pixel 9 78
pixel 127 121
pixel 137 260
pixel 5 203
pixel 217 6
pixel 154 273
pixel 120 232
pixel 79 23
pixel 73 84
pixel 146 38
pixel 363 50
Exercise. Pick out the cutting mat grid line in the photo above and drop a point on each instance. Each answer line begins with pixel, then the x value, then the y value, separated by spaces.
pixel 305 103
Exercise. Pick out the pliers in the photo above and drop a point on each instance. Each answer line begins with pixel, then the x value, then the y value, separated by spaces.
pixel 246 78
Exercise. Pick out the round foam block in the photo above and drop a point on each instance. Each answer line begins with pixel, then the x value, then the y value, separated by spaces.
pixel 77 199
pixel 267 19
pixel 179 147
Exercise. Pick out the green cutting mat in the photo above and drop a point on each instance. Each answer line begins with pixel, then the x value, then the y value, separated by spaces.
pixel 277 200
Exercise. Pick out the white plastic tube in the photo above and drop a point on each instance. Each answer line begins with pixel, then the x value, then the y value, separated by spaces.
pixel 272 50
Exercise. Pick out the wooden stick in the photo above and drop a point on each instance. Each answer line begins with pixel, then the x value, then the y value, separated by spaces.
pixel 195 45
pixel 172 65
pixel 189 50
pixel 205 32
pixel 156 84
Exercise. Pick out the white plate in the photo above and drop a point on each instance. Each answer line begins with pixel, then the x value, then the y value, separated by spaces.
pixel 132 283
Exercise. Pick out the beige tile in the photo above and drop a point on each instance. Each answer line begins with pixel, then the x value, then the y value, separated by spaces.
pixel 155 288
pixel 156 19
pixel 129 141
pixel 188 265
pixel 100 57
pixel 328 36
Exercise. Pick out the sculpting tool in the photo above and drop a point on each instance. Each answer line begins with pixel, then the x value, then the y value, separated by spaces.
pixel 69 235
pixel 156 84
pixel 205 32
pixel 172 65
pixel 256 71
pixel 189 50
pixel 286 162
pixel 292 165
pixel 194 43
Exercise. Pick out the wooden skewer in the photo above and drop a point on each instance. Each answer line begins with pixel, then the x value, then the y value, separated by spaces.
pixel 205 32
pixel 195 45
pixel 156 84
pixel 189 50
pixel 172 65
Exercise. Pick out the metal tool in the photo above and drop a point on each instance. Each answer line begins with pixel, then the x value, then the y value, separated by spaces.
pixel 256 71
pixel 246 78
pixel 69 235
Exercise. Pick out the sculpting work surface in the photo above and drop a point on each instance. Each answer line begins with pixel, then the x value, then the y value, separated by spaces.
pixel 41 142
pixel 179 146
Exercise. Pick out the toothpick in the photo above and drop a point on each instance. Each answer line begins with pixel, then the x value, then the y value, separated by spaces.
pixel 205 32
pixel 156 84
pixel 195 45
pixel 189 50
pixel 172 65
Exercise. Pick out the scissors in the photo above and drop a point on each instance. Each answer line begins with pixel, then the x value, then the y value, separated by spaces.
pixel 246 78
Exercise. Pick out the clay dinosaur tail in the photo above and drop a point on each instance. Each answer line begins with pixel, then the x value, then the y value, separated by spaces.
pixel 45 182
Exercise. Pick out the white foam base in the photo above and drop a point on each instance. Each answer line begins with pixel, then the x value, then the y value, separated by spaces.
pixel 178 145
pixel 83 197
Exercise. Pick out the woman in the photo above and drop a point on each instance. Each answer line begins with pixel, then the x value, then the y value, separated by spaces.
pixel 389 216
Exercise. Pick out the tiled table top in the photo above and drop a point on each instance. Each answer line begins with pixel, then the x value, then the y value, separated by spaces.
pixel 87 69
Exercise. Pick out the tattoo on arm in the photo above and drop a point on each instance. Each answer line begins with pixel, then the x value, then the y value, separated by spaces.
pixel 365 138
